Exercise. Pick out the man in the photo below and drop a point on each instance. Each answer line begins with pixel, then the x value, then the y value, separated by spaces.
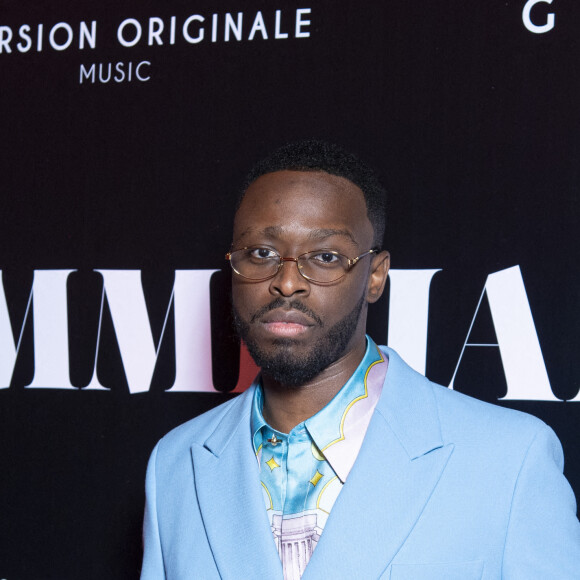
pixel 340 461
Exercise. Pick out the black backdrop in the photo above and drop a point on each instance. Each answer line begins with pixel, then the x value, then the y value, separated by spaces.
pixel 470 116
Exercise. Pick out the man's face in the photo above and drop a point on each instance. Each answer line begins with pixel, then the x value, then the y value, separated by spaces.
pixel 295 328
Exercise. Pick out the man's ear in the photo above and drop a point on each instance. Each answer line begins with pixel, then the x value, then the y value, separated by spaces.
pixel 378 276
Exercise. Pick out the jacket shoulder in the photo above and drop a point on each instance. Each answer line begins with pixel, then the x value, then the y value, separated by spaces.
pixel 461 418
pixel 462 414
pixel 197 430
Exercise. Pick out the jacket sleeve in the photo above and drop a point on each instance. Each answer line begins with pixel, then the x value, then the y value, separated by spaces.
pixel 543 535
pixel 153 568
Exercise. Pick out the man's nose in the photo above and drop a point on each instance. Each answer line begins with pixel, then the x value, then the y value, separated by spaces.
pixel 288 280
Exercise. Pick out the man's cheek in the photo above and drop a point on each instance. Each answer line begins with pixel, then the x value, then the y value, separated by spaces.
pixel 238 301
pixel 243 307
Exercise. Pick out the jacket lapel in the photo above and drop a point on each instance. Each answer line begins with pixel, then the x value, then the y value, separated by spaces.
pixel 396 471
pixel 229 493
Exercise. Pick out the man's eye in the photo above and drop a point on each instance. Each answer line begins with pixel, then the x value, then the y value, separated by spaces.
pixel 325 258
pixel 261 253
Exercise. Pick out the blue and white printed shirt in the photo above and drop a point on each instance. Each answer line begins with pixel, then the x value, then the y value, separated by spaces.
pixel 302 472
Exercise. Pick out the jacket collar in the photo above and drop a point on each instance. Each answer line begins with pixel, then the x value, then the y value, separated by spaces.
pixel 230 498
pixel 409 406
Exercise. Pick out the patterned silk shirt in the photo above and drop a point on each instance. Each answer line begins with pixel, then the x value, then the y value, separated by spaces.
pixel 302 472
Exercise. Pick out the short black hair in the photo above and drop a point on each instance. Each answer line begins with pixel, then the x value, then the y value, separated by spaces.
pixel 317 155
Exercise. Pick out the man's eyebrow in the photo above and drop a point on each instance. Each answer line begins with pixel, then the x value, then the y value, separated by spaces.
pixel 270 232
pixel 323 233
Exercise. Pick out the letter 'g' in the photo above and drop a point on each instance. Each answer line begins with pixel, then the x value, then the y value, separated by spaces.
pixel 534 27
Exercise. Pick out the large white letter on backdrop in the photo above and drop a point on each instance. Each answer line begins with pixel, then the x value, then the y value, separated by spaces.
pixel 409 314
pixel 517 339
pixel 537 28
pixel 193 356
pixel 51 361
pixel 124 292
pixel 8 349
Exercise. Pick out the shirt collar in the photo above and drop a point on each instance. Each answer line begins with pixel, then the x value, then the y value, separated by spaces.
pixel 338 429
pixel 257 420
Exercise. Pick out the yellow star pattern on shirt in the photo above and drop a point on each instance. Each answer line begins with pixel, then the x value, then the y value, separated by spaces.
pixel 271 463
pixel 317 477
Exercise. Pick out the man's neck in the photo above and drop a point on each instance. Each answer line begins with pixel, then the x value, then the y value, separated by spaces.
pixel 285 407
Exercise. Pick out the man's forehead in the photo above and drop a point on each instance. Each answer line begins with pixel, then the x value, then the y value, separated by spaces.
pixel 314 234
pixel 302 205
pixel 291 188
pixel 317 178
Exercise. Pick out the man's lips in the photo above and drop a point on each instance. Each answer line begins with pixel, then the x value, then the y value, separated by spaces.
pixel 286 322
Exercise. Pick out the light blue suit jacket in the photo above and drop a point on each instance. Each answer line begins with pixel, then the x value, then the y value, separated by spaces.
pixel 444 487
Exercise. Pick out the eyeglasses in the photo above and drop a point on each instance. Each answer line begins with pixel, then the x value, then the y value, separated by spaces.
pixel 258 263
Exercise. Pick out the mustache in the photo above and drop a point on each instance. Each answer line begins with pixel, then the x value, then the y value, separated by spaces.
pixel 286 305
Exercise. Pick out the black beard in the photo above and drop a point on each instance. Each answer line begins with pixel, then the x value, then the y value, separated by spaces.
pixel 292 370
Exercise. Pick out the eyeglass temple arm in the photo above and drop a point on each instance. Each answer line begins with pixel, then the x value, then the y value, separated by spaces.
pixel 353 261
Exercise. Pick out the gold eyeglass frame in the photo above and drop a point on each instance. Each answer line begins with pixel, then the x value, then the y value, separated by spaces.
pixel 351 263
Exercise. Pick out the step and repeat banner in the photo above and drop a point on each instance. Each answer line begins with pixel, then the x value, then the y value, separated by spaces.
pixel 125 132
